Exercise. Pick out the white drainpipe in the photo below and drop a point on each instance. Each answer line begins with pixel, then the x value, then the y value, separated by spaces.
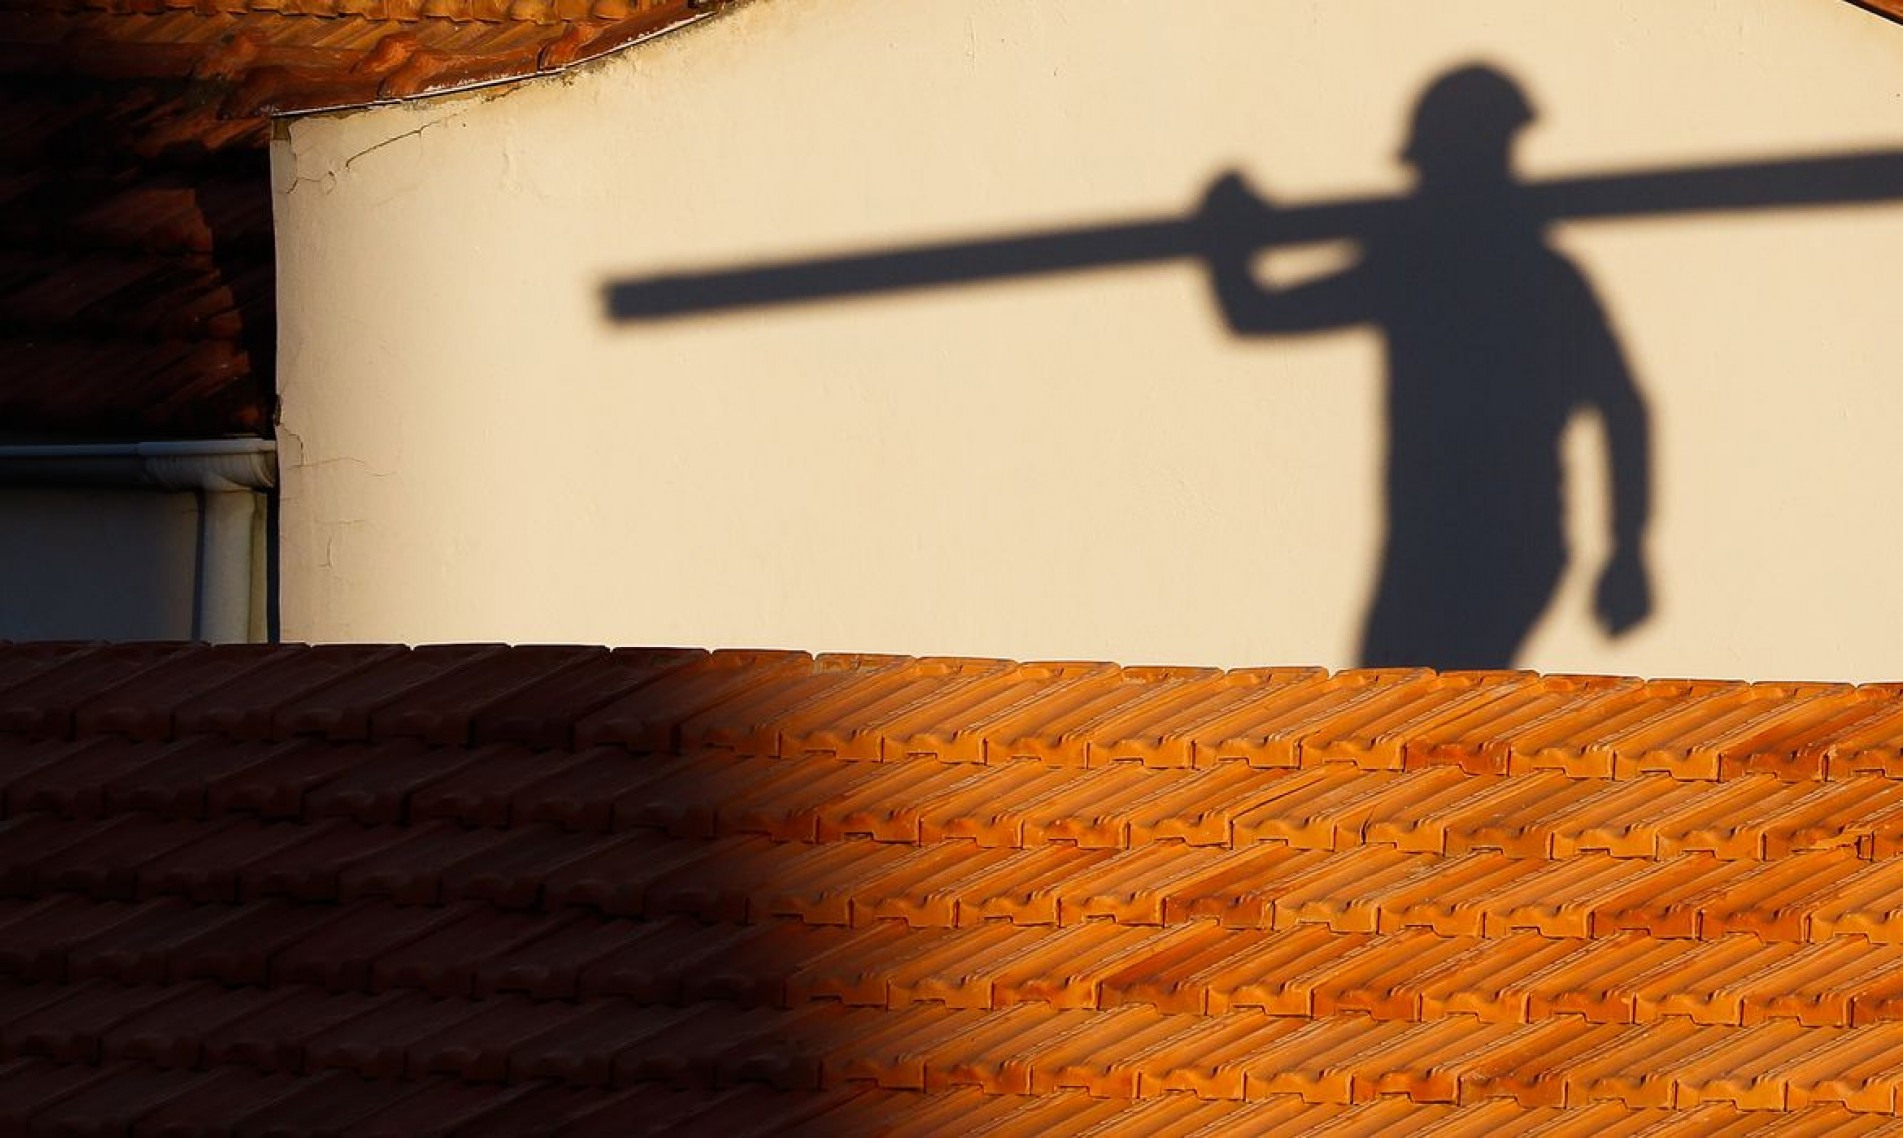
pixel 230 477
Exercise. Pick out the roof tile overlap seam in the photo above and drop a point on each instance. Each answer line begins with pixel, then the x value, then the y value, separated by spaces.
pixel 1804 899
pixel 503 873
pixel 1872 736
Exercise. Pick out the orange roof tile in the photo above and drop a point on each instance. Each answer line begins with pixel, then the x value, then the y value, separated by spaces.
pixel 279 56
pixel 1891 8
pixel 472 888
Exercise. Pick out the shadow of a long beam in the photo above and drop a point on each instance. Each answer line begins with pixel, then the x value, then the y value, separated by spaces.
pixel 1843 179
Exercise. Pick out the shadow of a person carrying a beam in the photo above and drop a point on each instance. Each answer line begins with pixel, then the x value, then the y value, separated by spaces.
pixel 1494 342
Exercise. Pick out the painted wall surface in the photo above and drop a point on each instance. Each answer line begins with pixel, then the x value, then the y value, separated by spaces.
pixel 97 564
pixel 1083 464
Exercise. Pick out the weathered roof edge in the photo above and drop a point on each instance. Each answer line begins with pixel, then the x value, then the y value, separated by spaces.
pixel 1888 9
pixel 292 91
pixel 659 18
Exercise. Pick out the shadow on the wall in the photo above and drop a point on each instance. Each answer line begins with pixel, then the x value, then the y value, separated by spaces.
pixel 1495 341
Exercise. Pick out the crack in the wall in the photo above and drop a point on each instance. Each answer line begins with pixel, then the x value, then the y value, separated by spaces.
pixel 327 179
pixel 365 153
pixel 291 457
pixel 290 443
pixel 346 460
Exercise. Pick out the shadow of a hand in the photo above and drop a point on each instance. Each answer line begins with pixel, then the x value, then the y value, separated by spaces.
pixel 1232 217
pixel 1624 597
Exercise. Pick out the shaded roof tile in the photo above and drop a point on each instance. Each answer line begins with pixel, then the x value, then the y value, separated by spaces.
pixel 544 712
pixel 42 705
pixel 864 893
pixel 244 707
pixel 133 168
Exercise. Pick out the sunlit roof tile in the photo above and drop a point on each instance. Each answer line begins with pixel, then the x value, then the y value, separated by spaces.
pixel 871 895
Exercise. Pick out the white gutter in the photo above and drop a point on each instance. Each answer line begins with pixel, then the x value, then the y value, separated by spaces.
pixel 228 475
pixel 195 464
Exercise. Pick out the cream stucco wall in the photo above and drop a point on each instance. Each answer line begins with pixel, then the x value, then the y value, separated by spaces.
pixel 1079 466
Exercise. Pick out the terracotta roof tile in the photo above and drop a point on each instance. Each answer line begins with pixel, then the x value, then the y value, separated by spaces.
pixel 478 888
pixel 137 246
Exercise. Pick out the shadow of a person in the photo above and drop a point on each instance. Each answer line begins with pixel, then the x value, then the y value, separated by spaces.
pixel 1494 341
